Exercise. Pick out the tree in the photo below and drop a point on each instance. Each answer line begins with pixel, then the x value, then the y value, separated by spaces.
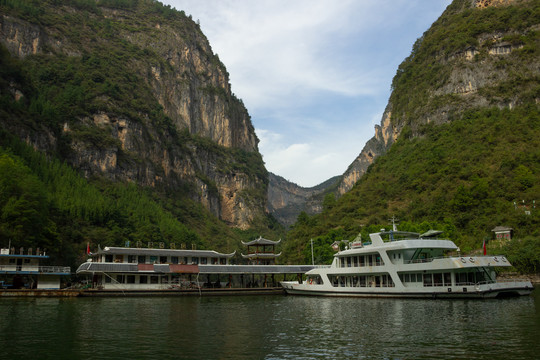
pixel 23 203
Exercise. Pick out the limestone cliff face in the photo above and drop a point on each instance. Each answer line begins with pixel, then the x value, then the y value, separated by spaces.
pixel 468 77
pixel 177 65
pixel 286 200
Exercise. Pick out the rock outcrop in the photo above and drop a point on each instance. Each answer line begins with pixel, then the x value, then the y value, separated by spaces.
pixel 470 82
pixel 286 200
pixel 210 136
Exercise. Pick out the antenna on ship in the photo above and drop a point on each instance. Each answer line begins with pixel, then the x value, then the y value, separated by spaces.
pixel 394 227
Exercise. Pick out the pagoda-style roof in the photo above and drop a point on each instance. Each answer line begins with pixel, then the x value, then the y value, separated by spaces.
pixel 261 241
pixel 501 229
pixel 260 256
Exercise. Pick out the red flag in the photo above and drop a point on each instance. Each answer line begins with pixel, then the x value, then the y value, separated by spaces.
pixel 484 246
pixel 88 248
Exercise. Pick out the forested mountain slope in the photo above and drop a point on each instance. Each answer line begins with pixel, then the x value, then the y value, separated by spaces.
pixel 130 95
pixel 459 144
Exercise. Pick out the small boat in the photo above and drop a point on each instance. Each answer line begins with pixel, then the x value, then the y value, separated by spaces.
pixel 408 265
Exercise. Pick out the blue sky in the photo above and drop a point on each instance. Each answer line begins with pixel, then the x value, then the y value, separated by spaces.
pixel 315 75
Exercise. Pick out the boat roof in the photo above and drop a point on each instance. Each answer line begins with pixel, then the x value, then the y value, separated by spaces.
pixel 401 245
pixel 161 252
pixel 89 267
pixel 261 256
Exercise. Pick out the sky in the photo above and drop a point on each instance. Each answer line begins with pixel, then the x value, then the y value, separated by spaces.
pixel 314 75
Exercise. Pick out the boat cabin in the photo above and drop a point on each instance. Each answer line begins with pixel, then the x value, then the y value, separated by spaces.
pixel 22 270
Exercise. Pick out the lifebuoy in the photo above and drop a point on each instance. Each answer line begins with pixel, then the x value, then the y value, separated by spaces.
pixel 503 259
pixel 463 260
pixel 495 258
pixel 471 259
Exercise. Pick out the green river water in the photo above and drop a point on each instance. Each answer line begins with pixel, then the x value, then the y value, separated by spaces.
pixel 269 327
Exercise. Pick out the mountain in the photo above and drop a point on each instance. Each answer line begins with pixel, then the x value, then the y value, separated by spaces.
pixel 131 91
pixel 458 146
pixel 130 96
pixel 478 54
pixel 286 200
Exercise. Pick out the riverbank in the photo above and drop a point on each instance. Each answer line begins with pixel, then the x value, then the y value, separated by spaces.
pixel 40 293
pixel 533 278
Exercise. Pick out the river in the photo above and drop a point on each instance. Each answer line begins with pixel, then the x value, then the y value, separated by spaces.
pixel 269 327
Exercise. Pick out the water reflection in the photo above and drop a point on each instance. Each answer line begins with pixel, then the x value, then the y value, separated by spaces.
pixel 273 327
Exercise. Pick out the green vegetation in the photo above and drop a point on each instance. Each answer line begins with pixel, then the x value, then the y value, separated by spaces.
pixel 465 176
pixel 462 177
pixel 460 28
pixel 46 203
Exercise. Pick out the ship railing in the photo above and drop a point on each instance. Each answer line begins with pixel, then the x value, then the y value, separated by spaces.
pixel 33 268
pixel 55 269
pixel 420 261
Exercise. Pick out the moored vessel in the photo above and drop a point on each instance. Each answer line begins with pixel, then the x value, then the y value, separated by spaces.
pixel 408 265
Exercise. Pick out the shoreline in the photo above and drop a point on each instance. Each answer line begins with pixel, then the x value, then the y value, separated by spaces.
pixel 533 278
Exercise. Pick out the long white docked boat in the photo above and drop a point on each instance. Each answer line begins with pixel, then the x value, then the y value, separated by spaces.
pixel 408 265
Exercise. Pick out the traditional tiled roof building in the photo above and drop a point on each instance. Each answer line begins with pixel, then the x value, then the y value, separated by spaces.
pixel 261 251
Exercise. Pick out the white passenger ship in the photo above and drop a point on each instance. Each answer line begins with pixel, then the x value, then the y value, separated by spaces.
pixel 408 265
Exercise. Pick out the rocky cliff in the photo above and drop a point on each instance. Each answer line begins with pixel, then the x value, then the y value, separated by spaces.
pixel 131 91
pixel 286 200
pixel 486 65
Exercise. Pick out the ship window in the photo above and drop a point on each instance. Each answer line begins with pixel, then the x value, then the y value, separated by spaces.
pixel 223 261
pixel 214 261
pixel 119 259
pixel 26 261
pixel 174 259
pixel 363 281
pixel 162 259
pixel 143 279
pixel 153 259
pixel 370 259
pixel 204 261
pixel 132 259
pixel 131 279
pixel 362 260
pixel 447 279
pixel 428 280
pixel 349 261
pixel 407 278
pixel 154 279
pixel 355 261
pixel 437 279
pixel 342 262
pixel 108 258
pixel 195 260
pixel 120 278
pixel 141 259
pixel 185 260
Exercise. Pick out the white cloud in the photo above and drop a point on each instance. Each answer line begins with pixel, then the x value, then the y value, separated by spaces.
pixel 315 75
